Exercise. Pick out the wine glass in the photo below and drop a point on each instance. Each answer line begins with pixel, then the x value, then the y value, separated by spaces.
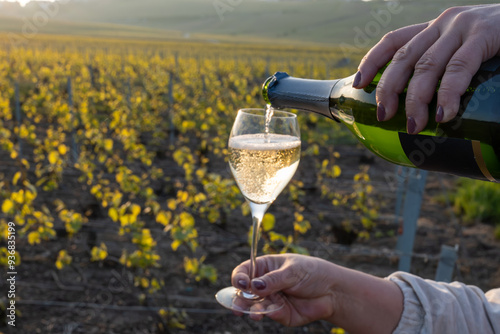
pixel 264 154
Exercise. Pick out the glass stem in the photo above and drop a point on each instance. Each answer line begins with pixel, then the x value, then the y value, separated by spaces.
pixel 258 211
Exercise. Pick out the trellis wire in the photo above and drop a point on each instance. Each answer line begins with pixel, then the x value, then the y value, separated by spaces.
pixel 133 308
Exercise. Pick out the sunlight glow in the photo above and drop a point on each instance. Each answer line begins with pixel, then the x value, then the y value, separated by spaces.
pixel 24 2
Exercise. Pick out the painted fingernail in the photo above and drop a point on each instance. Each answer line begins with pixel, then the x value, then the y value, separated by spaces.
pixel 411 125
pixel 357 79
pixel 259 284
pixel 439 114
pixel 242 284
pixel 380 111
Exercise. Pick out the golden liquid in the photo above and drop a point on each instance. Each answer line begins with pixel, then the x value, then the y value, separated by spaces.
pixel 262 165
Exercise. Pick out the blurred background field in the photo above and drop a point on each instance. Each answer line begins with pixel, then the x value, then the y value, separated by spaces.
pixel 114 120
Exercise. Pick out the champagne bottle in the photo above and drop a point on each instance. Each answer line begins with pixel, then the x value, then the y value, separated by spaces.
pixel 468 145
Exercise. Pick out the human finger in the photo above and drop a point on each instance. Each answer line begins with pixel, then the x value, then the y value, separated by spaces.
pixel 396 76
pixel 457 77
pixel 240 277
pixel 285 277
pixel 382 53
pixel 427 72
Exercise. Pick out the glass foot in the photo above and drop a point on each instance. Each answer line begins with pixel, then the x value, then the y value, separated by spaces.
pixel 240 301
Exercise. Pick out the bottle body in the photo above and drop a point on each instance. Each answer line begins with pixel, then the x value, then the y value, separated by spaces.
pixel 468 145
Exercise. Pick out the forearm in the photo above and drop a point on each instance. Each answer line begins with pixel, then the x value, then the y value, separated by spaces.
pixel 437 307
pixel 365 303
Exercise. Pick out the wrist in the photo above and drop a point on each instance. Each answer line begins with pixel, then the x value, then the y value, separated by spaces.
pixel 364 303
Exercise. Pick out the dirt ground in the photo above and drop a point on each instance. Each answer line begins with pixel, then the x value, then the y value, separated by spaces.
pixel 89 297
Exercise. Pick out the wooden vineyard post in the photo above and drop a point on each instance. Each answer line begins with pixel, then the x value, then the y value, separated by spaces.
pixel 414 187
pixel 171 104
pixel 74 148
pixel 446 265
pixel 18 116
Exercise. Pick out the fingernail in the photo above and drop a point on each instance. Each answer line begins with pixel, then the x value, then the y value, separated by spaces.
pixel 380 111
pixel 357 79
pixel 411 125
pixel 439 114
pixel 242 284
pixel 259 284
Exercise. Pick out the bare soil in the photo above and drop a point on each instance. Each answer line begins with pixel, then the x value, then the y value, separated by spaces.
pixel 90 297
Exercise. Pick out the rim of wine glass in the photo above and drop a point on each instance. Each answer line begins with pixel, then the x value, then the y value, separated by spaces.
pixel 285 114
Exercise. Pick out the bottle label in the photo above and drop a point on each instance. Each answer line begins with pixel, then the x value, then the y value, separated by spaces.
pixel 456 156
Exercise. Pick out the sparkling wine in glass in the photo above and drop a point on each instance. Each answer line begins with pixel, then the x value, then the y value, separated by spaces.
pixel 264 155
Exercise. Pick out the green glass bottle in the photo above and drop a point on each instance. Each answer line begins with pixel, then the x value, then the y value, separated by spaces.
pixel 468 145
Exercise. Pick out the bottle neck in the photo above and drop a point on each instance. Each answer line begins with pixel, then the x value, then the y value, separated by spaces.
pixel 282 91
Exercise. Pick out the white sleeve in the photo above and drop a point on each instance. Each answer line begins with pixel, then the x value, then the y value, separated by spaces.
pixel 432 307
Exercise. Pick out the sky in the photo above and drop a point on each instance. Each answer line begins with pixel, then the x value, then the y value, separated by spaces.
pixel 24 2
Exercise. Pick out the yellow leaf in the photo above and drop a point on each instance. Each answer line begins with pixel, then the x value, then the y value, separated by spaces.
pixel 324 163
pixel 200 197
pixel 119 177
pixel 186 219
pixel 336 171
pixel 268 222
pixel 99 253
pixel 125 220
pixel 172 204
pixel 188 125
pixel 63 259
pixel 18 196
pixel 63 149
pixel 298 217
pixel 182 196
pixel 34 238
pixel 108 144
pixel 302 227
pixel 53 157
pixel 164 218
pixel 113 214
pixel 23 131
pixel 7 206
pixel 273 236
pixel 144 282
pixel 136 209
pixel 13 154
pixel 176 244
pixel 25 163
pixel 16 178
pixel 117 198
pixel 191 266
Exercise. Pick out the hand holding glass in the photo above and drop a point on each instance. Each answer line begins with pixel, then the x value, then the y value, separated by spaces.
pixel 263 158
